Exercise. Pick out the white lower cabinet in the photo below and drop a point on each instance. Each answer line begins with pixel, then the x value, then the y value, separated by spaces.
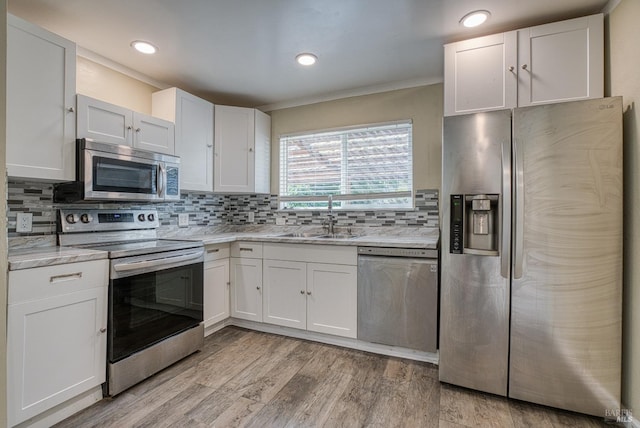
pixel 246 281
pixel 304 294
pixel 285 293
pixel 332 300
pixel 56 335
pixel 216 284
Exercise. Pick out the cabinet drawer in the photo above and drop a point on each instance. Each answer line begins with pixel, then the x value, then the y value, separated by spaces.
pixel 216 252
pixel 49 281
pixel 341 255
pixel 250 250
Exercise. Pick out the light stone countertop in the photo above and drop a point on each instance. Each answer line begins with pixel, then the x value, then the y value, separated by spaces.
pixel 49 256
pixel 400 237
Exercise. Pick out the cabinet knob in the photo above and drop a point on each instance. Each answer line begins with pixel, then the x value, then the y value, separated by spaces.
pixel 258 287
pixel 209 145
pixel 250 149
pixel 524 66
pixel 511 68
pixel 308 293
pixel 129 128
pixel 103 330
pixel 138 129
pixel 71 110
pixel 301 291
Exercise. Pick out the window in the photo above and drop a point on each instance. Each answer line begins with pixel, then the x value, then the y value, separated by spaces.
pixel 369 167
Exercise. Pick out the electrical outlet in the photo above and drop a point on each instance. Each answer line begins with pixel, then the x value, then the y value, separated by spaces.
pixel 24 222
pixel 281 221
pixel 183 220
pixel 251 216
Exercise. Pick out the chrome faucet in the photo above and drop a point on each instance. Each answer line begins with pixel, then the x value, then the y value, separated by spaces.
pixel 331 221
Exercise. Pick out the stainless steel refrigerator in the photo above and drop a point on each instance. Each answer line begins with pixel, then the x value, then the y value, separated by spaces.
pixel 531 278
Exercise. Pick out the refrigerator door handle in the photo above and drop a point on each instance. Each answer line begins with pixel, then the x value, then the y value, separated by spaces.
pixel 505 224
pixel 518 209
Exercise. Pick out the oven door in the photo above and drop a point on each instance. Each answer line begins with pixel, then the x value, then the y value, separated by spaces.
pixel 153 297
pixel 121 177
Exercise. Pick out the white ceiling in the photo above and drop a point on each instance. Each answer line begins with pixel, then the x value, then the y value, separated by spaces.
pixel 242 51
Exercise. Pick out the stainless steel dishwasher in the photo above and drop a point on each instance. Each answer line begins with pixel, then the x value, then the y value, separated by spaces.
pixel 398 297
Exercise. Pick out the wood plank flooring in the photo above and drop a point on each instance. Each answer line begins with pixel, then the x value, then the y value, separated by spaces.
pixel 252 379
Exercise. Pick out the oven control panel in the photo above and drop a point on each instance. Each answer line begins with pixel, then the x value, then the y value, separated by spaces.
pixel 88 220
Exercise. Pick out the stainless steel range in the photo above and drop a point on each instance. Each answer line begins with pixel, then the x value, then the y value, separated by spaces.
pixel 155 309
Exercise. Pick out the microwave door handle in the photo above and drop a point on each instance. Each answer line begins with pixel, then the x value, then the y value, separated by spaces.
pixel 125 267
pixel 161 173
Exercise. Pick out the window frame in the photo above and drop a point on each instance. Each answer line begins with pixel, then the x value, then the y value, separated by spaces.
pixel 349 199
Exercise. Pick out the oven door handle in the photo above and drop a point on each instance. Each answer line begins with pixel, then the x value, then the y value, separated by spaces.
pixel 145 264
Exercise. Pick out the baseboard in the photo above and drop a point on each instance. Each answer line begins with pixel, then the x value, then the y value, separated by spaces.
pixel 392 351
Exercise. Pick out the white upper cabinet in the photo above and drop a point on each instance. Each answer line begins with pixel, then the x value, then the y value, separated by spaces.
pixel 193 119
pixel 480 74
pixel 110 123
pixel 41 87
pixel 242 150
pixel 561 61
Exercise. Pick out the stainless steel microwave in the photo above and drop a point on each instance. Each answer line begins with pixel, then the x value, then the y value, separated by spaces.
pixel 110 172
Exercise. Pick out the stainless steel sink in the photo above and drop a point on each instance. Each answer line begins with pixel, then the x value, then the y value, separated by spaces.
pixel 338 236
pixel 318 235
pixel 301 235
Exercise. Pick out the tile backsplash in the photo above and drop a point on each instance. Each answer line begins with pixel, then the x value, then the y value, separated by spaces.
pixel 206 209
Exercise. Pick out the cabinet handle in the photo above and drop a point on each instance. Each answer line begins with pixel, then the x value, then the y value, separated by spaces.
pixel 214 250
pixel 308 293
pixel 71 110
pixel 511 68
pixel 103 330
pixel 524 66
pixel 246 249
pixel 65 277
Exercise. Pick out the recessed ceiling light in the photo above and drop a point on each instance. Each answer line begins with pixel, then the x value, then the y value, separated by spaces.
pixel 306 59
pixel 144 47
pixel 475 18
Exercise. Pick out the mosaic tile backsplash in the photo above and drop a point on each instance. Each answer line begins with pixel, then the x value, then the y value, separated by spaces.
pixel 206 209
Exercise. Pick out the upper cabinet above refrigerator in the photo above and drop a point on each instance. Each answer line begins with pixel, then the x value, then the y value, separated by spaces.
pixel 561 61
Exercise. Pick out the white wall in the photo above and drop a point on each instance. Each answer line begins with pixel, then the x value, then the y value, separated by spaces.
pixel 3 215
pixel 623 78
pixel 422 104
pixel 97 81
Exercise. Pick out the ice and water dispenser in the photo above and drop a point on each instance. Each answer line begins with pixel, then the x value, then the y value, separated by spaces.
pixel 474 224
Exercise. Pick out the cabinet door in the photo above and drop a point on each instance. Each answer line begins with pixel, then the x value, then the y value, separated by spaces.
pixel 285 293
pixel 104 122
pixel 234 160
pixel 193 119
pixel 332 303
pixel 480 74
pixel 153 134
pixel 216 291
pixel 56 350
pixel 246 288
pixel 41 86
pixel 561 61
pixel 262 152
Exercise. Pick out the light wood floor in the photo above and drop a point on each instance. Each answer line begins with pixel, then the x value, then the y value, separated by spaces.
pixel 247 378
